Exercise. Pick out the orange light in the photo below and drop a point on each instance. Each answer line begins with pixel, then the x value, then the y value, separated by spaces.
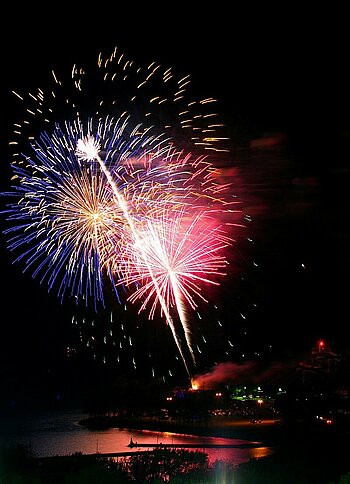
pixel 194 385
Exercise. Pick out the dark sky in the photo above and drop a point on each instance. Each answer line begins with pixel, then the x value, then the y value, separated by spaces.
pixel 280 76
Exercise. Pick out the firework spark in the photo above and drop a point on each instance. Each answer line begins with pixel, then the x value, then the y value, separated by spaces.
pixel 115 86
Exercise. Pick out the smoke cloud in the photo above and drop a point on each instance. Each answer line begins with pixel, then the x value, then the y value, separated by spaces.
pixel 250 372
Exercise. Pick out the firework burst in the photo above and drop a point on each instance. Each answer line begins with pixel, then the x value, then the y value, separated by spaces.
pixel 112 193
pixel 66 217
pixel 183 252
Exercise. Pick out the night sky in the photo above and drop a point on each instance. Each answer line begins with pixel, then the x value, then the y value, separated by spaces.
pixel 283 88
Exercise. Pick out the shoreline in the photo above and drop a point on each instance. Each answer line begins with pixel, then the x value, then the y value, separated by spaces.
pixel 267 431
pixel 273 433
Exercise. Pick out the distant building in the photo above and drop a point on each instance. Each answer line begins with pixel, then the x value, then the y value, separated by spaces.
pixel 323 361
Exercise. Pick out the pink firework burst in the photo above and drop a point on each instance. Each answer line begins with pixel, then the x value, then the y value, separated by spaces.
pixel 174 257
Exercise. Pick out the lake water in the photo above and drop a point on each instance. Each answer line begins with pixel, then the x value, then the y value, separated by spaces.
pixel 59 433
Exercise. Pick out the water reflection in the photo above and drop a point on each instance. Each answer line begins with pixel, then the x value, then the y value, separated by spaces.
pixel 60 434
